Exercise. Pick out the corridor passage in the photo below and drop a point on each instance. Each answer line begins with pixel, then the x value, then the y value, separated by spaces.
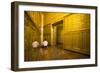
pixel 52 53
pixel 67 34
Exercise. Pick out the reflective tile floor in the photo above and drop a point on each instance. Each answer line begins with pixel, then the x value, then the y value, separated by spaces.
pixel 51 53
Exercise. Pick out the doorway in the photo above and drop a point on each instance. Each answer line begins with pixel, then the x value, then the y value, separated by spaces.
pixel 58 34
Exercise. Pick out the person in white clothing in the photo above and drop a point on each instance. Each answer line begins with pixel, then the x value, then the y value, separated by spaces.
pixel 45 44
pixel 35 44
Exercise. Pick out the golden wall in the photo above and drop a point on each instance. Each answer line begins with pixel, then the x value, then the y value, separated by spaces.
pixel 31 33
pixel 31 30
pixel 77 33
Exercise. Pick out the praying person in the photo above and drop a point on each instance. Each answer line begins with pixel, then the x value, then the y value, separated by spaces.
pixel 35 44
pixel 45 44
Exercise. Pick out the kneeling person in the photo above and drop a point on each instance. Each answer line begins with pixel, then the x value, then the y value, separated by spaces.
pixel 45 44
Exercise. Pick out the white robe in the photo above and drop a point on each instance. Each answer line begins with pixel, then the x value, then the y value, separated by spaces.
pixel 35 44
pixel 45 43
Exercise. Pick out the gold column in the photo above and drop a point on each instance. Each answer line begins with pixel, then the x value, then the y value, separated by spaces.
pixel 42 23
pixel 51 34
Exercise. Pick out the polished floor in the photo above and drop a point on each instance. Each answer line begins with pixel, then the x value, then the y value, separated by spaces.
pixel 51 53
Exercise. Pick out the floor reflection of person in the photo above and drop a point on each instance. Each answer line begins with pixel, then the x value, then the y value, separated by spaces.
pixel 45 49
pixel 44 46
pixel 35 50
